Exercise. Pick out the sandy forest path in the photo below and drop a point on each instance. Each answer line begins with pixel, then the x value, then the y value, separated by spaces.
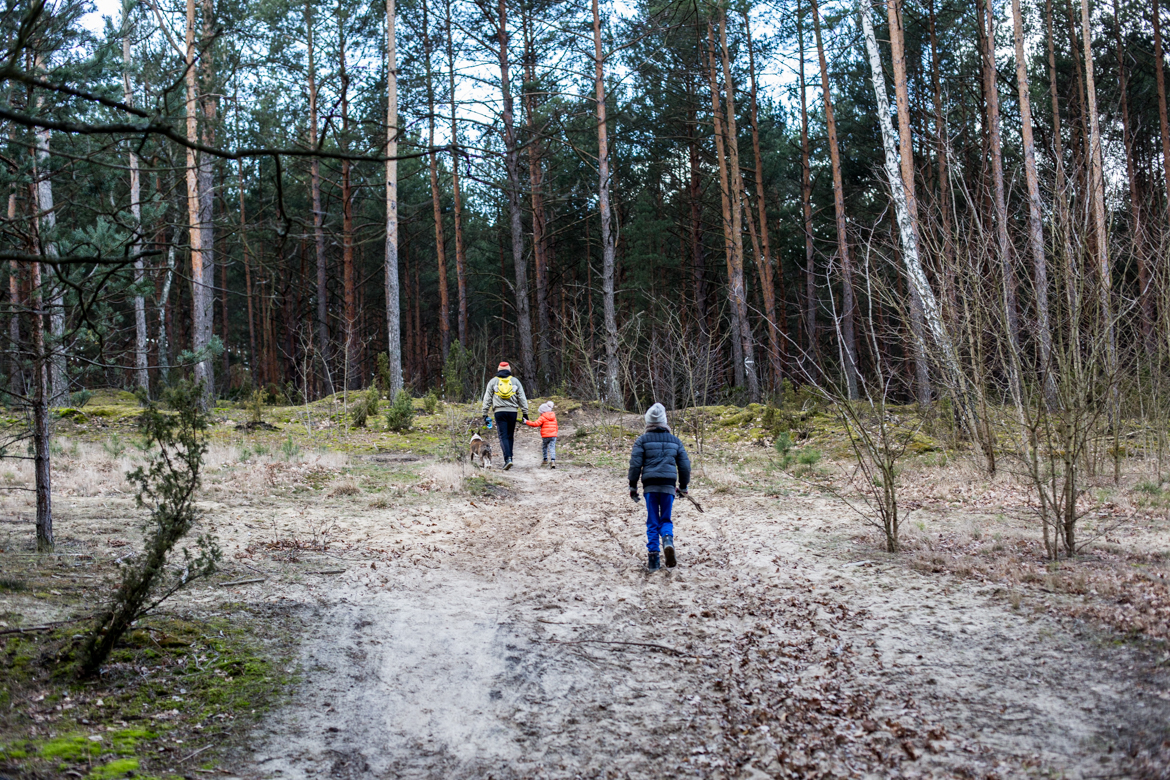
pixel 496 650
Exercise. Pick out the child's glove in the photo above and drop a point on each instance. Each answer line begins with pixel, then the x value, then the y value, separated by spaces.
pixel 634 493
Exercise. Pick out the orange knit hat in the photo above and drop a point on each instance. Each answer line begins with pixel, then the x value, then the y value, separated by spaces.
pixel 503 367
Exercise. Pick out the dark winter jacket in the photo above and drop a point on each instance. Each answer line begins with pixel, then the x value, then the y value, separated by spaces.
pixel 659 458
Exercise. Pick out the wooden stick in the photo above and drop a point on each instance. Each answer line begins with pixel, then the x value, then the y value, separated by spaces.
pixel 197 752
pixel 45 627
pixel 241 582
pixel 611 642
pixel 29 630
pixel 329 571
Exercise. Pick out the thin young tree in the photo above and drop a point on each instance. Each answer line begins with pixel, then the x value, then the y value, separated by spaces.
pixel 810 278
pixel 436 193
pixel 324 351
pixel 911 259
pixel 1035 213
pixel 457 210
pixel 515 212
pixel 393 304
pixel 1160 81
pixel 848 341
pixel 208 106
pixel 540 245
pixel 351 376
pixel 766 265
pixel 1145 308
pixel 737 290
pixel 725 200
pixel 1007 271
pixel 201 293
pixel 46 229
pixel 613 394
pixel 906 152
pixel 1097 199
pixel 141 371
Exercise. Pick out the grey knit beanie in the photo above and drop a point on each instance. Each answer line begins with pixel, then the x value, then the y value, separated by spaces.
pixel 656 417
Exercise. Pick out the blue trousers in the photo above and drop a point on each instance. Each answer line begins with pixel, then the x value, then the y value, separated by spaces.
pixel 658 518
pixel 548 447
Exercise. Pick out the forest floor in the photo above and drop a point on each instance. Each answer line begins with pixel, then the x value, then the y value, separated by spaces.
pixel 415 617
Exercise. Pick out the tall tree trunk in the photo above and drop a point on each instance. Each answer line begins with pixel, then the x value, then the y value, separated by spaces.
pixel 436 195
pixel 247 274
pixel 1063 221
pixel 141 372
pixel 1081 150
pixel 512 165
pixel 906 149
pixel 55 302
pixel 725 200
pixel 776 318
pixel 460 254
pixel 912 264
pixel 1137 227
pixel 1035 212
pixel 812 357
pixel 200 293
pixel 944 184
pixel 999 202
pixel 393 304
pixel 42 467
pixel 539 217
pixel 1097 192
pixel 209 103
pixel 613 393
pixel 162 303
pixel 353 377
pixel 695 208
pixel 324 348
pixel 736 288
pixel 16 384
pixel 848 340
pixel 1160 81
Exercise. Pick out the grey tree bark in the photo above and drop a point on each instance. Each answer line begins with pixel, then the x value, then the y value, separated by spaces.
pixel 848 338
pixel 912 265
pixel 736 287
pixel 922 387
pixel 393 304
pixel 324 347
pixel 1035 212
pixel 141 372
pixel 512 166
pixel 55 303
pixel 613 394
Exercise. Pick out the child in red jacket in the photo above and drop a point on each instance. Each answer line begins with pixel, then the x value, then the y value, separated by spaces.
pixel 547 423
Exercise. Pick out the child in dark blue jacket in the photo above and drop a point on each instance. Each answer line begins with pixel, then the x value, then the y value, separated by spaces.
pixel 660 459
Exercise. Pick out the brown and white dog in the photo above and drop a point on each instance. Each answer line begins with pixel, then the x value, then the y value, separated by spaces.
pixel 481 449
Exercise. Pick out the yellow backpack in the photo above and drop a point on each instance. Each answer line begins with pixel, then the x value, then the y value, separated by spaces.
pixel 504 388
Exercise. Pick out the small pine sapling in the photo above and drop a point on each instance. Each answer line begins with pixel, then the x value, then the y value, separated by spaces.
pixel 367 407
pixel 166 487
pixel 400 415
pixel 383 378
pixel 431 402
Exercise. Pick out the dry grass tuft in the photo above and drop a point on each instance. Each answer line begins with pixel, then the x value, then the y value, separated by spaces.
pixel 346 487
pixel 447 477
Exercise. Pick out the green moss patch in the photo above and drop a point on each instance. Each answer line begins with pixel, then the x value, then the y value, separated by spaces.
pixel 172 680
pixel 121 767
